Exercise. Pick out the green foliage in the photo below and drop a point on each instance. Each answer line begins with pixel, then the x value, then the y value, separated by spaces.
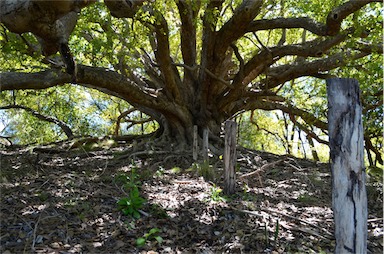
pixel 375 173
pixel 129 181
pixel 130 205
pixel 87 112
pixel 216 194
pixel 276 234
pixel 263 132
pixel 176 170
pixel 152 235
pixel 307 199
pixel 205 170
pixel 113 43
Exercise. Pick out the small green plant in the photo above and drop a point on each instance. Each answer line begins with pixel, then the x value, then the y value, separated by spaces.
pixel 153 234
pixel 129 181
pixel 176 170
pixel 205 170
pixel 276 235
pixel 307 199
pixel 130 205
pixel 43 196
pixel 160 172
pixel 216 194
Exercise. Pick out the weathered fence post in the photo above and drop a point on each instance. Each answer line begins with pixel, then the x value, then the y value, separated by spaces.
pixel 205 143
pixel 349 198
pixel 230 157
pixel 195 149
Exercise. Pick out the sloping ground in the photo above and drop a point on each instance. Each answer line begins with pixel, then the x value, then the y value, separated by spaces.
pixel 57 201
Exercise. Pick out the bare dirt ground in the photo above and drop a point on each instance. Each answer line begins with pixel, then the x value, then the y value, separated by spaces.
pixel 59 201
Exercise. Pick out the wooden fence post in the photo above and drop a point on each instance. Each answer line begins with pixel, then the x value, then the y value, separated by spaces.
pixel 349 198
pixel 195 149
pixel 230 157
pixel 205 143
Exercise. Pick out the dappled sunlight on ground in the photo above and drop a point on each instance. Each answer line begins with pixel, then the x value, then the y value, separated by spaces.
pixel 67 203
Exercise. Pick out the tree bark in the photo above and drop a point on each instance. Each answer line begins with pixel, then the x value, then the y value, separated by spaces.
pixel 349 198
pixel 230 157
pixel 216 78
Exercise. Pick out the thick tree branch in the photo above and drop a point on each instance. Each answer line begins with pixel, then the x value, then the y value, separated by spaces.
pixel 37 80
pixel 279 75
pixel 107 81
pixel 152 70
pixel 163 56
pixel 237 25
pixel 337 15
pixel 314 48
pixel 369 48
pixel 123 8
pixel 332 26
pixel 279 23
pixel 269 105
pixel 188 31
pixel 66 129
pixel 207 61
pixel 261 61
pixel 188 14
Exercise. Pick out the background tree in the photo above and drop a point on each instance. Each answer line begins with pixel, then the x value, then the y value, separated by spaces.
pixel 186 63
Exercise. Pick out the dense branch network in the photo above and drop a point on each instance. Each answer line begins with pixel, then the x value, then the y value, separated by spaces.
pixel 215 78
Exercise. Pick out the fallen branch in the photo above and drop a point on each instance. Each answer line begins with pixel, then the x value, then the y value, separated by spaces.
pixel 260 170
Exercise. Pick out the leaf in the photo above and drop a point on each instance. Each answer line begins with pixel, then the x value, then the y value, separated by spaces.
pixel 159 239
pixel 136 215
pixel 154 231
pixel 140 241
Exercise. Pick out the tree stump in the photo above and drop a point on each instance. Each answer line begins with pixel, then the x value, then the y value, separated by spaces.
pixel 349 198
pixel 230 157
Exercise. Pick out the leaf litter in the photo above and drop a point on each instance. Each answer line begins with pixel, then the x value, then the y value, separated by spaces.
pixel 66 202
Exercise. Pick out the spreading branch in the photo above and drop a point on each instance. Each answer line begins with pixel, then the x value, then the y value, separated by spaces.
pixel 309 118
pixel 281 74
pixel 330 28
pixel 63 126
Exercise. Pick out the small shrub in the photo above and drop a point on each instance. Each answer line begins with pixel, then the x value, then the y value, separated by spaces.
pixel 130 205
pixel 150 236
pixel 128 181
pixel 216 194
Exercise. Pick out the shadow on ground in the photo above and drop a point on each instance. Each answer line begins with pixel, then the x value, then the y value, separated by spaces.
pixel 65 202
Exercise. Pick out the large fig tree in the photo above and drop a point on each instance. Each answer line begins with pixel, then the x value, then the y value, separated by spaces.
pixel 200 62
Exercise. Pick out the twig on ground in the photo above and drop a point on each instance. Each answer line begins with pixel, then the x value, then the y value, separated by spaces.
pixel 260 170
pixel 285 215
pixel 375 219
pixel 34 233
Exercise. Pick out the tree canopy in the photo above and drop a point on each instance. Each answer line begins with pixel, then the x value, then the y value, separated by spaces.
pixel 197 62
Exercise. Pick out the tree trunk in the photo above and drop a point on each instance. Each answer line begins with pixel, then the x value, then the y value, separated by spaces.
pixel 349 198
